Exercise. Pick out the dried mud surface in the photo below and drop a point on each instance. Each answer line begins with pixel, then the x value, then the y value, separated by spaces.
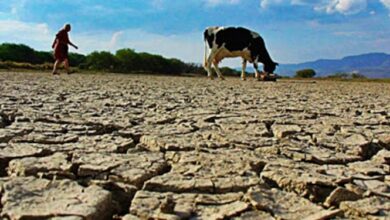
pixel 153 147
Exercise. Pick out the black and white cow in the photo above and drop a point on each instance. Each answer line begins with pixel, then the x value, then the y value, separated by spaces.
pixel 236 42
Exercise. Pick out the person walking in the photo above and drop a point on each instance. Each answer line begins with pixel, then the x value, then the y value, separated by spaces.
pixel 60 46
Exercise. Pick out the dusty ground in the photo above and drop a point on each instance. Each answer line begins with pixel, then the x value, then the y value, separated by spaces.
pixel 97 146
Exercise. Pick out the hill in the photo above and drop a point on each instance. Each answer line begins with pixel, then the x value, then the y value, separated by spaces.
pixel 372 65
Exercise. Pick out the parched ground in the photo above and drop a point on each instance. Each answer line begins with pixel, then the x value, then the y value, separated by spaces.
pixel 129 147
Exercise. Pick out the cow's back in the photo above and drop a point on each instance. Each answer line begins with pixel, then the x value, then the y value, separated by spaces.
pixel 234 39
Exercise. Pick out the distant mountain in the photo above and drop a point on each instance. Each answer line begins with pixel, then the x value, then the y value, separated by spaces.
pixel 372 65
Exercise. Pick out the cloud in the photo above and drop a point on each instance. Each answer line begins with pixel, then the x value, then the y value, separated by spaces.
pixel 17 5
pixel 36 34
pixel 386 3
pixel 115 39
pixel 213 3
pixel 187 47
pixel 175 31
pixel 268 3
pixel 346 7
pixel 158 4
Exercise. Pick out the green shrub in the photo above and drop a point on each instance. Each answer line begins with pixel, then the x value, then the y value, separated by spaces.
pixel 76 59
pixel 305 73
pixel 19 56
pixel 101 61
pixel 17 53
pixel 358 76
pixel 339 75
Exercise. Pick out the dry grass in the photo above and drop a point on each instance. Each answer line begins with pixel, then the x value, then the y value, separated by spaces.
pixel 384 80
pixel 9 65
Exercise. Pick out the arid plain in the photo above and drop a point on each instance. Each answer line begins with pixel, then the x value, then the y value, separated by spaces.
pixel 106 146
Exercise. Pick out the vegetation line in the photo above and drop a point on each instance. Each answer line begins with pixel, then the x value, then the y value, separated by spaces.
pixel 20 56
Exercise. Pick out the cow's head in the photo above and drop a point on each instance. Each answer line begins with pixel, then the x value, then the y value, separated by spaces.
pixel 270 67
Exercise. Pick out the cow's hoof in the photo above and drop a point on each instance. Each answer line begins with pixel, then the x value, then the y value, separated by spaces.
pixel 222 78
pixel 243 79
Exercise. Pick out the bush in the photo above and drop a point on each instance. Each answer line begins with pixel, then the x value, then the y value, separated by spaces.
pixel 76 59
pixel 21 53
pixel 128 59
pixel 305 73
pixel 358 76
pixel 194 68
pixel 226 71
pixel 44 57
pixel 13 56
pixel 340 75
pixel 101 61
pixel 18 53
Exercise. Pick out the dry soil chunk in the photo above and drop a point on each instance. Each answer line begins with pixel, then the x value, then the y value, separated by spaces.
pixel 8 134
pixel 187 205
pixel 130 217
pixel 281 131
pixel 103 143
pixel 31 198
pixel 255 215
pixel 351 144
pixel 317 154
pixel 210 171
pixel 339 195
pixel 17 150
pixel 55 165
pixel 283 205
pixel 384 140
pixel 132 168
pixel 47 138
pixel 369 208
pixel 307 180
pixel 183 142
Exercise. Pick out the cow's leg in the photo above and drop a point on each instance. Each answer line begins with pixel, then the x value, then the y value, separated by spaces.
pixel 208 70
pixel 217 70
pixel 209 62
pixel 243 76
pixel 257 74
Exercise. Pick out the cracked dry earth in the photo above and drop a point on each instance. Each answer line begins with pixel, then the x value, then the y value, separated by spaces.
pixel 151 147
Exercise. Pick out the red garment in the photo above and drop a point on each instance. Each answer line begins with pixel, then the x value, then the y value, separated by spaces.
pixel 61 45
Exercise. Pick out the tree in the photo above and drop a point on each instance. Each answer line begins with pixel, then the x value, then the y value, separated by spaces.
pixel 339 75
pixel 101 61
pixel 152 63
pixel 230 72
pixel 124 60
pixel 177 66
pixel 76 59
pixel 305 73
pixel 129 60
pixel 44 57
pixel 18 53
pixel 194 68
pixel 358 76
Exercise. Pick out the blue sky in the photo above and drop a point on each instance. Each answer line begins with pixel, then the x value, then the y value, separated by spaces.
pixel 294 30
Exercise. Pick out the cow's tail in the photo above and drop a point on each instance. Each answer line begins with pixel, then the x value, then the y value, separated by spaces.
pixel 205 53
